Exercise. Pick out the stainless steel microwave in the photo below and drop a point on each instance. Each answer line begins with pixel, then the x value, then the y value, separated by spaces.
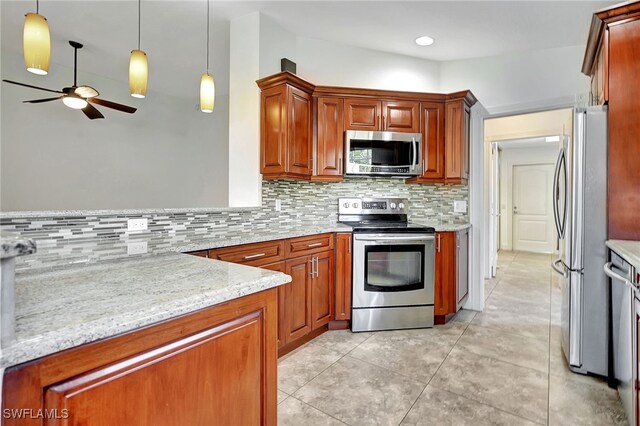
pixel 383 153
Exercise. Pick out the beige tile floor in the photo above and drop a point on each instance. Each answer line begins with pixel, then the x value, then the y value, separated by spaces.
pixel 503 366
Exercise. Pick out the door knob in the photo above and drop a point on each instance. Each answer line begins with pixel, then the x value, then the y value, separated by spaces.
pixel 515 209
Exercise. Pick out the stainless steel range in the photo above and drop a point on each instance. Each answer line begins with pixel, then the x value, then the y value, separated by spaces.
pixel 393 265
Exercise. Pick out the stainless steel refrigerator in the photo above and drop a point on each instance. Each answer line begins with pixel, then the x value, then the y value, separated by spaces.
pixel 580 212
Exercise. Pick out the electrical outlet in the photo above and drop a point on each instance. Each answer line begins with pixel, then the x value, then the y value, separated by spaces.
pixel 460 206
pixel 137 224
pixel 139 247
pixel 278 205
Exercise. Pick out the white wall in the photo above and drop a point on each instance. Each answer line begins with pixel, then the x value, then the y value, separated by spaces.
pixel 166 155
pixel 331 64
pixel 244 112
pixel 519 81
pixel 510 157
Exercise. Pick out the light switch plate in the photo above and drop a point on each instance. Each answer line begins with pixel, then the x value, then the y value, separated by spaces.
pixel 460 206
pixel 139 247
pixel 137 224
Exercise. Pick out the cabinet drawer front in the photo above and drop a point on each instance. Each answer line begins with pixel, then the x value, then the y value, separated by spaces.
pixel 251 254
pixel 308 245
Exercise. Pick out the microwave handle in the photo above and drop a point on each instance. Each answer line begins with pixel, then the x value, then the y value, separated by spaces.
pixel 415 152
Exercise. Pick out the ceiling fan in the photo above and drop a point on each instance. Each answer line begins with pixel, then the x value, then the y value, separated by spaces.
pixel 78 97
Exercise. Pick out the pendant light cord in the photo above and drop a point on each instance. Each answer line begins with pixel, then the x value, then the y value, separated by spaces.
pixel 208 36
pixel 37 7
pixel 139 24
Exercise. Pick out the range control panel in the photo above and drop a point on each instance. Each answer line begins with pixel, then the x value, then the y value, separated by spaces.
pixel 372 206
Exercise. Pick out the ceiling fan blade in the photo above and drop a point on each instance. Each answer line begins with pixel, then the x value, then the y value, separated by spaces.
pixel 86 92
pixel 113 105
pixel 91 112
pixel 39 101
pixel 33 87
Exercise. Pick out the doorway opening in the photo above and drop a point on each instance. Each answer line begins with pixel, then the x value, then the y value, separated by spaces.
pixel 522 156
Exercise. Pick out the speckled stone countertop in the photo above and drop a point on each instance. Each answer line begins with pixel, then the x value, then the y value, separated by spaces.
pixel 66 307
pixel 279 233
pixel 628 250
pixel 15 245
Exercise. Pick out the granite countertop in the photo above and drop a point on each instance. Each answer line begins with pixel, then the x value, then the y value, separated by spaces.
pixel 283 232
pixel 14 245
pixel 66 307
pixel 628 250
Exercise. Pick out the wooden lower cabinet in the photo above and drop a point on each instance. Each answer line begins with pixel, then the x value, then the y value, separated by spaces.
pixel 451 288
pixel 216 366
pixel 297 299
pixel 322 290
pixel 280 267
pixel 343 277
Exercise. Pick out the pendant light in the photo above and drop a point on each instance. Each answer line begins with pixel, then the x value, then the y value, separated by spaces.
pixel 138 68
pixel 207 85
pixel 36 42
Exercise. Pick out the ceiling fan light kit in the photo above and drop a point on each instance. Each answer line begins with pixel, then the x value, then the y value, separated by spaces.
pixel 36 43
pixel 207 85
pixel 138 68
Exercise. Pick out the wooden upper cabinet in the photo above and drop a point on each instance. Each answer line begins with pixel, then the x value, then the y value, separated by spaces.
pixel 362 114
pixel 401 116
pixel 286 127
pixel 457 135
pixel 329 145
pixel 432 129
pixel 611 60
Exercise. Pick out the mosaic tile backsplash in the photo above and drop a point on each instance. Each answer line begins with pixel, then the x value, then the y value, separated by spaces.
pixel 87 238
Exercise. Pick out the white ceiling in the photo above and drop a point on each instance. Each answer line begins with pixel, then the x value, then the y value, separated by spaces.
pixel 173 32
pixel 462 29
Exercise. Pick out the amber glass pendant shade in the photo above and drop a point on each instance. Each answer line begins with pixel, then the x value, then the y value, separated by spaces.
pixel 36 43
pixel 207 93
pixel 138 74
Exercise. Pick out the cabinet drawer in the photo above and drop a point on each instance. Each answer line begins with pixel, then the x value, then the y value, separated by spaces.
pixel 308 245
pixel 251 254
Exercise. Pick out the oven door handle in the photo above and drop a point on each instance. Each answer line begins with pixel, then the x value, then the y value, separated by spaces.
pixel 383 240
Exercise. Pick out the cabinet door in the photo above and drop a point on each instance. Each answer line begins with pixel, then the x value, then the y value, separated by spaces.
pixel 401 116
pixel 362 114
pixel 282 311
pixel 445 274
pixel 299 132
pixel 322 290
pixel 199 379
pixel 330 141
pixel 457 131
pixel 343 277
pixel 297 299
pixel 432 128
pixel 273 130
pixel 462 291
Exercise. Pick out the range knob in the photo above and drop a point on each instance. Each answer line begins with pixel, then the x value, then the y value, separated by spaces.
pixel 345 205
pixel 355 205
pixel 393 205
pixel 401 206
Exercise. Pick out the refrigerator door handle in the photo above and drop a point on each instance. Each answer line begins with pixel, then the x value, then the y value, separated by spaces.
pixel 556 268
pixel 556 194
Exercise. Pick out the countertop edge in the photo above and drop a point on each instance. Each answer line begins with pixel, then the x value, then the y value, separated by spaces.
pixel 68 338
pixel 630 254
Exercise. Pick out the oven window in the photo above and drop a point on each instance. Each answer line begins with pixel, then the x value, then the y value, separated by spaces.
pixel 381 153
pixel 394 268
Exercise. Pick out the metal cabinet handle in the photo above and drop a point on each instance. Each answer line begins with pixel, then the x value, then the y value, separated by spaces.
pixel 253 256
pixel 439 242
pixel 349 245
pixel 311 271
pixel 314 245
pixel 317 267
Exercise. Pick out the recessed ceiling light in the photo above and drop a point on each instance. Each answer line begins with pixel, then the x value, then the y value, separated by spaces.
pixel 424 41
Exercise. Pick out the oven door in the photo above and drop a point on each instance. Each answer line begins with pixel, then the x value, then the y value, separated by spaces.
pixel 393 270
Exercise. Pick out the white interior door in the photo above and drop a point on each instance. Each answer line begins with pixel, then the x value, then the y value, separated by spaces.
pixel 533 222
pixel 494 207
